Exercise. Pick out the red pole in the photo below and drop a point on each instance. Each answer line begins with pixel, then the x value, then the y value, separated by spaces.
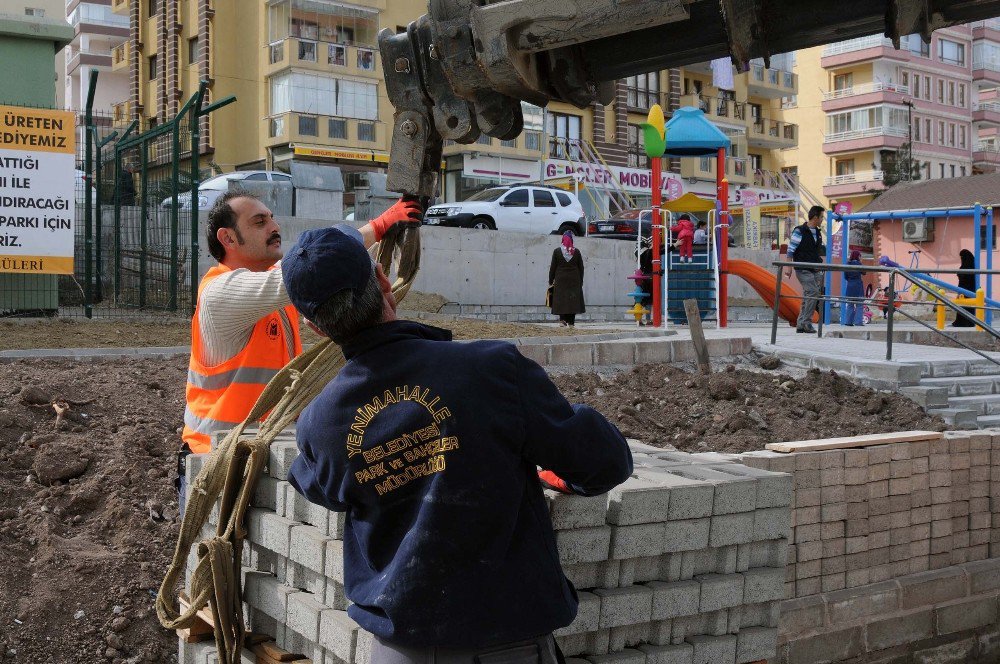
pixel 722 186
pixel 657 272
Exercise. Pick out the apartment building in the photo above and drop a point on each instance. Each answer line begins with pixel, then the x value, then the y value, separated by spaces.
pixel 44 9
pixel 97 30
pixel 307 75
pixel 869 105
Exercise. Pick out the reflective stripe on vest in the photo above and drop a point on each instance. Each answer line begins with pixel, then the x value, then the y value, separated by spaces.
pixel 220 397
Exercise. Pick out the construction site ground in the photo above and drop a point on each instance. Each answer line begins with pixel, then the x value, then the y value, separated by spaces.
pixel 88 512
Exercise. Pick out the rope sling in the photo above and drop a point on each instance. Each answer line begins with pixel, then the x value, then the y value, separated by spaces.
pixel 232 469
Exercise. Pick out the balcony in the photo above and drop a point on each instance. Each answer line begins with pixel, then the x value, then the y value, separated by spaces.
pixel 864 95
pixel 91 58
pixel 718 108
pixel 704 169
pixel 986 156
pixel 770 83
pixel 772 134
pixel 120 56
pixel 121 113
pixel 988 29
pixel 857 50
pixel 860 140
pixel 987 112
pixel 120 7
pixel 853 184
pixel 325 131
pixel 986 69
pixel 323 56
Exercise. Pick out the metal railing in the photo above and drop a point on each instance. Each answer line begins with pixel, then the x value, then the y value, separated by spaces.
pixel 934 298
pixel 864 133
pixel 990 64
pixel 865 89
pixel 991 105
pixel 849 178
pixel 858 44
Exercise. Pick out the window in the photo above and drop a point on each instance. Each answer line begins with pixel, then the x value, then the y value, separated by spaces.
pixel 845 167
pixel 928 138
pixel 307 51
pixel 193 55
pixel 637 157
pixel 256 177
pixel 543 199
pixel 916 130
pixel 705 164
pixel 961 95
pixel 904 78
pixel 982 236
pixel 331 22
pixel 366 131
pixel 153 69
pixel 483 139
pixel 927 88
pixel 34 11
pixel 951 53
pixel 366 59
pixel 951 93
pixel 756 162
pixel 643 90
pixel 940 94
pixel 532 140
pixel 277 52
pixel 916 45
pixel 961 137
pixel 277 127
pixel 564 199
pixel 278 177
pixel 516 198
pixel 951 134
pixel 322 94
pixel 843 81
pixel 336 55
pixel 940 133
pixel 565 132
pixel 337 128
pixel 154 7
pixel 308 125
pixel 952 167
pixel 916 86
pixel 941 167
pixel 962 171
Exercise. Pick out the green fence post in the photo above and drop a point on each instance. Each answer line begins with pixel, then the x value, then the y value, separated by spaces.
pixel 119 150
pixel 88 203
pixel 144 148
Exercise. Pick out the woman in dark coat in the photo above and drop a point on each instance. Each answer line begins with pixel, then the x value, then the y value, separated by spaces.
pixel 854 308
pixel 566 281
pixel 968 282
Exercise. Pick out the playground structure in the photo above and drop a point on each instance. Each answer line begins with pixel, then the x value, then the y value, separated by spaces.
pixel 982 242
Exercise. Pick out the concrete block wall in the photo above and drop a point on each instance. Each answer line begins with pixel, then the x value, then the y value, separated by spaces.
pixel 684 562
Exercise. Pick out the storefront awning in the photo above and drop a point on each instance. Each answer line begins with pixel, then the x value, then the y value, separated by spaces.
pixel 341 154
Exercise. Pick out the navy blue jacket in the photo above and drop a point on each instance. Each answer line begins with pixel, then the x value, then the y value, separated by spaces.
pixel 431 448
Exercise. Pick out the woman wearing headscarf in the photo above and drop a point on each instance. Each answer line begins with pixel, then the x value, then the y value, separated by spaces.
pixel 968 282
pixel 566 281
pixel 854 309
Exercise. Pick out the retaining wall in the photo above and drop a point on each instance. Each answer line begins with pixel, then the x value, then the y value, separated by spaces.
pixel 683 563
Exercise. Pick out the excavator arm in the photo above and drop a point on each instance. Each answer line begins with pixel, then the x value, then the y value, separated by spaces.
pixel 464 68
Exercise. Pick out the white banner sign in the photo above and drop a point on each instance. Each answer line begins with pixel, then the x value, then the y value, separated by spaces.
pixel 37 161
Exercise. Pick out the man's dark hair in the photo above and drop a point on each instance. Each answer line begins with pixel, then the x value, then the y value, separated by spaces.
pixel 816 211
pixel 222 215
pixel 347 313
pixel 701 223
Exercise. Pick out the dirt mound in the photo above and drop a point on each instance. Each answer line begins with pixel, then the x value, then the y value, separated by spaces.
pixel 87 508
pixel 738 410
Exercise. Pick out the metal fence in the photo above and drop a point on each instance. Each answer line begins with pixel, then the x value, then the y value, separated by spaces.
pixel 136 222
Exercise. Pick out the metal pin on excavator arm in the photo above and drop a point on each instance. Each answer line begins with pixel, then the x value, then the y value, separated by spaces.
pixel 464 68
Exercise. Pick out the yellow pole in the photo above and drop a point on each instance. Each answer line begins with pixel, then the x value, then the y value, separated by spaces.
pixel 939 308
pixel 980 306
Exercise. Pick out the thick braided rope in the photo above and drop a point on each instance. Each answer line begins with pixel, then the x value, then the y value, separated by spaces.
pixel 233 468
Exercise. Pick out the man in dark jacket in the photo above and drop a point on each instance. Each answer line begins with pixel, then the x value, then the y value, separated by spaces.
pixel 432 449
pixel 806 246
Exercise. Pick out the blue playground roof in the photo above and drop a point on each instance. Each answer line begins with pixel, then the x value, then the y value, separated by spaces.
pixel 690 134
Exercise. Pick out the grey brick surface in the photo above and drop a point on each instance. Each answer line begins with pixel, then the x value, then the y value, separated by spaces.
pixel 265 593
pixel 713 649
pixel 583 545
pixel 588 616
pixel 720 591
pixel 280 458
pixel 771 523
pixel 732 493
pixel 763 584
pixel 637 500
pixel 308 547
pixel 304 614
pixel 269 530
pixel 625 606
pixel 637 541
pixel 674 599
pixel 729 529
pixel 756 643
pixel 773 489
pixel 689 498
pixel 678 654
pixel 568 511
pixel 338 634
pixel 686 535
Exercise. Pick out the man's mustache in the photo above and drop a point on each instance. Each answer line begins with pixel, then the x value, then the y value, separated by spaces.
pixel 276 236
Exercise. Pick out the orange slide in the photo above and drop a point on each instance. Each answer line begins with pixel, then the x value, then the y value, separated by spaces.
pixel 762 281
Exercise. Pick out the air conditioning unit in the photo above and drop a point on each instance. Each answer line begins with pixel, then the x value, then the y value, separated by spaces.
pixel 918 230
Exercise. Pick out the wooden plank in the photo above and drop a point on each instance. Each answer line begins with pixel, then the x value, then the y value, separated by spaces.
pixel 854 441
pixel 268 652
pixel 697 335
pixel 204 614
pixel 196 634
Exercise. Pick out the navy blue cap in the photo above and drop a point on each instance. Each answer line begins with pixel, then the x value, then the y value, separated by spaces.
pixel 323 262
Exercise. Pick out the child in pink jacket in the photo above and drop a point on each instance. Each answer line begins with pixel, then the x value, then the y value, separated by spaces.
pixel 683 232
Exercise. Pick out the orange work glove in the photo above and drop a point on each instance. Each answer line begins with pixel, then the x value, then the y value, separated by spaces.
pixel 552 481
pixel 406 211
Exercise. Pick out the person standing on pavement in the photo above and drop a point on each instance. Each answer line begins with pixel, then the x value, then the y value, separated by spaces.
pixel 967 282
pixel 244 327
pixel 854 306
pixel 806 246
pixel 566 282
pixel 432 449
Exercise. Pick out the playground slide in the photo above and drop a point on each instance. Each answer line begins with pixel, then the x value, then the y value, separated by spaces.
pixel 762 281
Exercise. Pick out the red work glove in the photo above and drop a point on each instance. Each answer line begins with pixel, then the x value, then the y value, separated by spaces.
pixel 552 481
pixel 405 211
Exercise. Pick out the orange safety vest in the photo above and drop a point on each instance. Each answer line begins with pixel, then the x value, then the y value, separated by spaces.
pixel 221 396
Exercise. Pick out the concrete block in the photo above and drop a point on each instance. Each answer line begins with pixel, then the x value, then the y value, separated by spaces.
pixel 854 604
pixel 588 616
pixel 766 614
pixel 579 644
pixel 668 654
pixel 932 587
pixel 269 530
pixel 584 545
pixel 304 615
pixel 729 529
pixel 721 591
pixel 280 457
pixel 333 560
pixel 637 500
pixel 601 574
pixel 637 541
pixel 338 634
pixel 763 584
pixel 772 523
pixel 715 624
pixel 756 643
pixel 264 593
pixel 626 656
pixel 302 578
pixel 689 498
pixel 628 636
pixel 803 614
pixel 308 547
pixel 625 606
pixel 687 535
pixel 984 575
pixel 733 493
pixel 572 354
pixel 899 630
pixel 721 560
pixel 334 595
pixel 571 511
pixel 672 600
pixel 300 509
pixel 613 353
pixel 773 489
pixel 713 649
pixel 965 615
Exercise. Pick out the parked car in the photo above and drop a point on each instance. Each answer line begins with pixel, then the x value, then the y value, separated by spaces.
pixel 622 226
pixel 529 209
pixel 212 188
pixel 80 185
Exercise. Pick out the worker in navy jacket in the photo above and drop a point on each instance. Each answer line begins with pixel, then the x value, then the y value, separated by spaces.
pixel 431 447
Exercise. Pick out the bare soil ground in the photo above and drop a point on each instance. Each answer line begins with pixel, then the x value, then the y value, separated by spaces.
pixel 88 511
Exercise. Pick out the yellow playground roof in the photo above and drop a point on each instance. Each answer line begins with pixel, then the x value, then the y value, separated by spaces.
pixel 689 203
